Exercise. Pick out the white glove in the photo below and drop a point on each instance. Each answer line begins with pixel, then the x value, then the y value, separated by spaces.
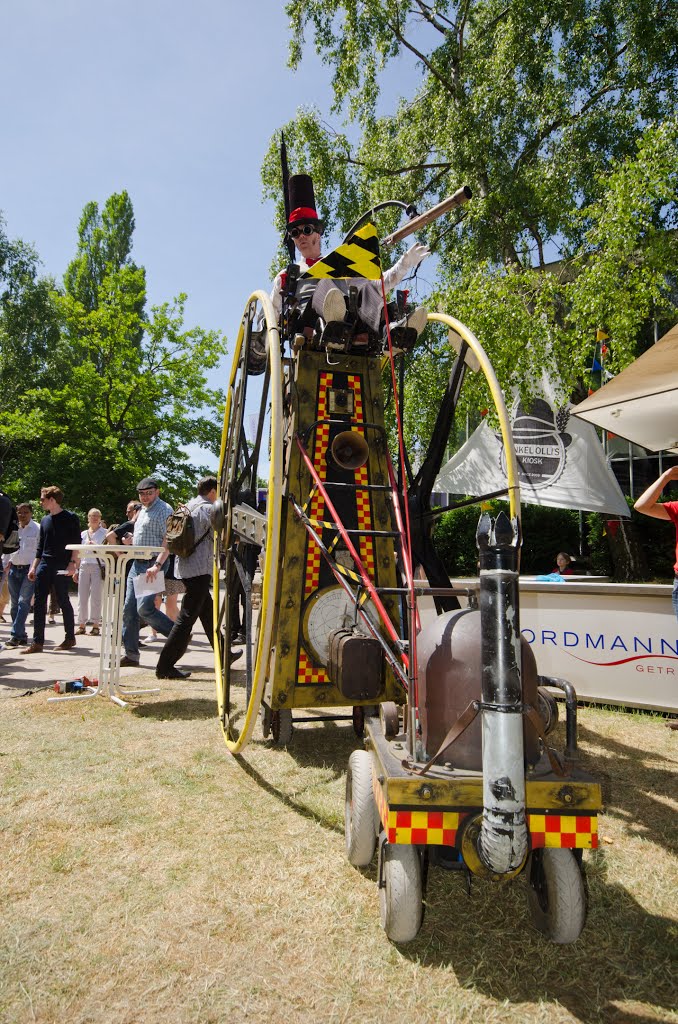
pixel 414 256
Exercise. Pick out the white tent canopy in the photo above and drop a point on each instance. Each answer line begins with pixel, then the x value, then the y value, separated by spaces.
pixel 641 403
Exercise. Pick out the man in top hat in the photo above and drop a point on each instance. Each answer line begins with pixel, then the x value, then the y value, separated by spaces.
pixel 324 298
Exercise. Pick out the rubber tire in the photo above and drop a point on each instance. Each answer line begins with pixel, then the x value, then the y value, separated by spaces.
pixel 402 909
pixel 282 727
pixel 558 900
pixel 360 813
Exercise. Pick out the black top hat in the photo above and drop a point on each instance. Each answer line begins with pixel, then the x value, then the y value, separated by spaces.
pixel 302 201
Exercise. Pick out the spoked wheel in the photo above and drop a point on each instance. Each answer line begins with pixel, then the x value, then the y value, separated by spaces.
pixel 251 447
pixel 401 892
pixel 557 895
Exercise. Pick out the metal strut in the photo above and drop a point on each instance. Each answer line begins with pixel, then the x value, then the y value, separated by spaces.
pixel 338 572
pixel 367 582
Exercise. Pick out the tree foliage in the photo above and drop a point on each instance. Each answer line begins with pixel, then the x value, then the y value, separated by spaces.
pixel 28 323
pixel 120 388
pixel 560 115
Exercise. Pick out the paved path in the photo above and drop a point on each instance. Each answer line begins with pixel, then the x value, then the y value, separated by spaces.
pixel 23 673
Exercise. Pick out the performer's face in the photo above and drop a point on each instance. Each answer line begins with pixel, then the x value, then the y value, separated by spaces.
pixel 308 245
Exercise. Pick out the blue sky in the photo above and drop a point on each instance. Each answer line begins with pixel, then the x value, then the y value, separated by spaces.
pixel 173 101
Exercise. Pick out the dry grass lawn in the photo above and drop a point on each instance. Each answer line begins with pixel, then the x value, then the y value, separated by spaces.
pixel 150 877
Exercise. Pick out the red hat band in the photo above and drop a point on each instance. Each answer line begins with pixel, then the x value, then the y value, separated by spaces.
pixel 303 213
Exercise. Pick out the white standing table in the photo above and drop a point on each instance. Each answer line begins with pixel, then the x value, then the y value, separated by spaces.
pixel 115 558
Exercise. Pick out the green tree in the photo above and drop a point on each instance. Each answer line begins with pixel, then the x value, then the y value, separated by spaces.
pixel 557 113
pixel 104 246
pixel 125 387
pixel 28 326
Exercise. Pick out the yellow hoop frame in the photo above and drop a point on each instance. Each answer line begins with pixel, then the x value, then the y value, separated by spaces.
pixel 273 526
pixel 498 397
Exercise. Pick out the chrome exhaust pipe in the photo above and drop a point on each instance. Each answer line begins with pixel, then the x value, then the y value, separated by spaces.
pixel 502 841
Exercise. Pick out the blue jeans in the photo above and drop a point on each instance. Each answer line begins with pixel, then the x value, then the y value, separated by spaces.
pixel 144 608
pixel 45 578
pixel 20 592
pixel 674 597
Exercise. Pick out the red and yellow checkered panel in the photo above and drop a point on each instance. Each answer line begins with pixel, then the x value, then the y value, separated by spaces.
pixel 426 828
pixel 363 507
pixel 307 672
pixel 439 828
pixel 430 828
pixel 317 510
pixel 576 832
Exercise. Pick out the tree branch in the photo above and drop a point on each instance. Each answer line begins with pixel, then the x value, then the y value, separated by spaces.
pixel 432 184
pixel 385 172
pixel 461 28
pixel 565 122
pixel 436 74
pixel 490 25
pixel 427 12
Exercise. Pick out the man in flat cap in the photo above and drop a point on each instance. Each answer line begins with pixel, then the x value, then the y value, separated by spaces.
pixel 149 529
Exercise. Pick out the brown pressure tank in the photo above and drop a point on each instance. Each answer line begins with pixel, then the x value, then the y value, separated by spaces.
pixel 449 668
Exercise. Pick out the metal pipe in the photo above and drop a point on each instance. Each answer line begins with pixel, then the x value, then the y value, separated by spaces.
pixel 570 712
pixel 461 196
pixel 502 842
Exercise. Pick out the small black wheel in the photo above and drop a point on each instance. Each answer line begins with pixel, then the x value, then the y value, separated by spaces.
pixel 547 706
pixel 556 894
pixel 402 907
pixel 361 819
pixel 389 718
pixel 359 720
pixel 282 727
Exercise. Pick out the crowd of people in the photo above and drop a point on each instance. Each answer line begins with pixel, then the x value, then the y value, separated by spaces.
pixel 39 572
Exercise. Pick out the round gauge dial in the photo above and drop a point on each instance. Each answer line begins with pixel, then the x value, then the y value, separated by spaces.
pixel 327 610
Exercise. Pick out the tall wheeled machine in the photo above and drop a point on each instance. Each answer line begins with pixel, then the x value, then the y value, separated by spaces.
pixel 457 769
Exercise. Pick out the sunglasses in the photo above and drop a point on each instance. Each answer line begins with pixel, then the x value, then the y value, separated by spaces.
pixel 147 490
pixel 305 229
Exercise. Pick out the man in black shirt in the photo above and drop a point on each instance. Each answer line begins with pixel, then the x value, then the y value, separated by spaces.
pixel 52 566
pixel 6 509
pixel 123 534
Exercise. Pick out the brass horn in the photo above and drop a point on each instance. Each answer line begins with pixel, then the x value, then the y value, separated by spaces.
pixel 350 450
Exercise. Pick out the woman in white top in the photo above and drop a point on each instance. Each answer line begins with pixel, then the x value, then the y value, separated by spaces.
pixel 88 576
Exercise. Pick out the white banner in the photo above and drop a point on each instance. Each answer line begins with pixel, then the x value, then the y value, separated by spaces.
pixel 561 463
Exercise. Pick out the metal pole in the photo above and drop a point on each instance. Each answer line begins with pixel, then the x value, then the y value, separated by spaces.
pixel 502 843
